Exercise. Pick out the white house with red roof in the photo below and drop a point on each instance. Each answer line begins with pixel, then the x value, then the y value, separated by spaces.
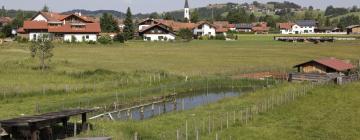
pixel 157 32
pixel 72 27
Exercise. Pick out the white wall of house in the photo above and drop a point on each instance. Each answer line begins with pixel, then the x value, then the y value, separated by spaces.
pixel 296 29
pixel 40 18
pixel 79 37
pixel 157 37
pixel 206 30
pixel 34 36
pixel 141 27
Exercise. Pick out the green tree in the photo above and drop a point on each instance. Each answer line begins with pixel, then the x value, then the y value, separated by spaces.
pixel 168 16
pixel 42 48
pixel 108 23
pixel 252 17
pixel 154 15
pixel 3 11
pixel 6 30
pixel 348 20
pixel 129 25
pixel 194 16
pixel 45 9
pixel 185 35
pixel 18 20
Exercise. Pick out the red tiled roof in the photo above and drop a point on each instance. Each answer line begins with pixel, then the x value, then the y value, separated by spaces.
pixel 336 64
pixel 89 28
pixel 260 27
pixel 232 26
pixel 35 25
pixel 20 30
pixel 333 63
pixel 287 25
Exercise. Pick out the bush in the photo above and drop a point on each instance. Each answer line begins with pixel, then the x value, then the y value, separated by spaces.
pixel 185 35
pixel 73 39
pixel 106 39
pixel 2 35
pixel 119 38
pixel 220 37
pixel 91 42
pixel 21 39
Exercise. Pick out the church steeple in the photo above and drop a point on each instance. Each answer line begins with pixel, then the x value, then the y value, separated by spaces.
pixel 187 11
pixel 186 4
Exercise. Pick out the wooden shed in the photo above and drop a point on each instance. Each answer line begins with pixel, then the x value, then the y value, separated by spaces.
pixel 353 29
pixel 322 70
pixel 325 65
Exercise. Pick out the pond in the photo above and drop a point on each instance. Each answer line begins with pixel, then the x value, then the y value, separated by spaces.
pixel 184 102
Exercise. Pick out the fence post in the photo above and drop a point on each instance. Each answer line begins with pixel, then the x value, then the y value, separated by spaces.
pixel 227 119
pixel 136 136
pixel 75 128
pixel 177 134
pixel 186 130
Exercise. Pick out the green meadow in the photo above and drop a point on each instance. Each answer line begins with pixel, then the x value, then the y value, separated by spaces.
pixel 92 75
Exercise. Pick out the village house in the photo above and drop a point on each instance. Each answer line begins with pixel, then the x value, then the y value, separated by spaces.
pixel 244 27
pixel 353 29
pixel 260 28
pixel 72 27
pixel 157 32
pixel 299 27
pixel 204 29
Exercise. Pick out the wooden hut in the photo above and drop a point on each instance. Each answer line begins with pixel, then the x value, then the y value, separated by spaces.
pixel 325 69
pixel 353 29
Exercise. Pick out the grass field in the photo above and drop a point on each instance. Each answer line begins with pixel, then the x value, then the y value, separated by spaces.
pixel 93 75
pixel 329 112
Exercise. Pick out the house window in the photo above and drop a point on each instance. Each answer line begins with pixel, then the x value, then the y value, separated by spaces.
pixel 306 31
pixel 87 36
pixel 148 38
pixel 34 37
pixel 152 31
pixel 160 37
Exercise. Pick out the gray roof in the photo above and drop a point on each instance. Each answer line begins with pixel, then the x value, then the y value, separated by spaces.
pixel 306 22
pixel 244 26
pixel 186 4
pixel 352 26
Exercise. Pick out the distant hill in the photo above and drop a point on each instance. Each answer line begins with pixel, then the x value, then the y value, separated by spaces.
pixel 348 14
pixel 97 13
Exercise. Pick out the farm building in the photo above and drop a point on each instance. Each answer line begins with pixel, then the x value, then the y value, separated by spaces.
pixel 73 27
pixel 353 29
pixel 157 32
pixel 204 28
pixel 325 69
pixel 325 65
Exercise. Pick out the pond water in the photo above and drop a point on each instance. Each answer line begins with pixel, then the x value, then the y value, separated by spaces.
pixel 185 102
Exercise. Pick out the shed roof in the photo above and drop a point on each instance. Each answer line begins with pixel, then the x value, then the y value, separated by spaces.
pixel 43 117
pixel 336 64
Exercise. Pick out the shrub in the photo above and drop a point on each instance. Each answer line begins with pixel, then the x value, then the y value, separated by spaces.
pixel 21 39
pixel 106 39
pixel 185 35
pixel 119 38
pixel 165 38
pixel 2 35
pixel 220 37
pixel 91 42
pixel 73 39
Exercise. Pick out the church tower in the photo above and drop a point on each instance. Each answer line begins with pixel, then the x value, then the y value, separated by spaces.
pixel 186 11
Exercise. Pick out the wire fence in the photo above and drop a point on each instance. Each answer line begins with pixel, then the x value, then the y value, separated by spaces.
pixel 216 122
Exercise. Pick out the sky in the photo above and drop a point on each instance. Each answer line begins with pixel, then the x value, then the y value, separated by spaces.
pixel 148 6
